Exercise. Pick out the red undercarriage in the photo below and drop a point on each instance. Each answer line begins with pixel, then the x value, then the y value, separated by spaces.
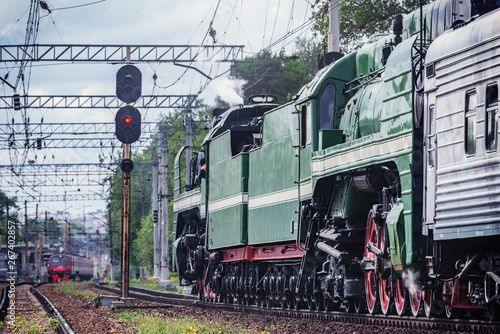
pixel 261 253
pixel 277 252
pixel 459 297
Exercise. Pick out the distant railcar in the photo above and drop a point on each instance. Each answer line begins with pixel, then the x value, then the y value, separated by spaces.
pixel 376 189
pixel 76 267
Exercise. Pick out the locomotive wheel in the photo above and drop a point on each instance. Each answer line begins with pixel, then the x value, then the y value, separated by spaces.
pixel 385 295
pixel 269 301
pixel 400 297
pixel 359 306
pixel 327 304
pixel 318 302
pixel 297 302
pixel 311 303
pixel 289 301
pixel 447 294
pixel 371 235
pixel 350 305
pixel 415 300
pixel 283 301
pixel 385 286
pixel 427 299
pixel 493 310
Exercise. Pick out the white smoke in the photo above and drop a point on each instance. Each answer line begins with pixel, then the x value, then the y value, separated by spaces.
pixel 229 90
pixel 410 280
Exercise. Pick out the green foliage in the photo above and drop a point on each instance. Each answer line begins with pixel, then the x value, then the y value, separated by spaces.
pixel 4 201
pixel 359 19
pixel 157 323
pixel 148 283
pixel 32 325
pixel 142 247
pixel 77 289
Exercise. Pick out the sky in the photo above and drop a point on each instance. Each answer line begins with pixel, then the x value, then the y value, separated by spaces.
pixel 255 24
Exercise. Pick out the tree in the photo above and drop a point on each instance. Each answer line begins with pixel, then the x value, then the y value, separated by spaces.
pixel 278 75
pixel 142 247
pixel 4 202
pixel 359 19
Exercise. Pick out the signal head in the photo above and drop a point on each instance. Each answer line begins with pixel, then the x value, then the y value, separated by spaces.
pixel 128 124
pixel 128 83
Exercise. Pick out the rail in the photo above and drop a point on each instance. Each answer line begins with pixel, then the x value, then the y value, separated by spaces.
pixel 405 322
pixel 64 327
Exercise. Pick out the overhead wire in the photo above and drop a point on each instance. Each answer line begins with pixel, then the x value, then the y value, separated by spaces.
pixel 17 21
pixel 78 6
pixel 275 20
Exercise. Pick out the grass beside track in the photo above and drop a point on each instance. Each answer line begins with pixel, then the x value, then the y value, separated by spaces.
pixel 148 283
pixel 77 289
pixel 157 323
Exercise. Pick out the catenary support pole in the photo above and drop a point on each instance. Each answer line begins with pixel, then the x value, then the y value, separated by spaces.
pixel 164 275
pixel 156 225
pixel 189 147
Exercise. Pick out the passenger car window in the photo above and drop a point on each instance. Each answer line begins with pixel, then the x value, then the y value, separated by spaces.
pixel 491 117
pixel 470 123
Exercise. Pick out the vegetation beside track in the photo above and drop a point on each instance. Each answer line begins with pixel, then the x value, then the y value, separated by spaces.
pixel 77 289
pixel 158 323
pixel 148 283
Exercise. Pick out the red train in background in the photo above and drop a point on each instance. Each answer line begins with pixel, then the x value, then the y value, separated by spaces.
pixel 76 266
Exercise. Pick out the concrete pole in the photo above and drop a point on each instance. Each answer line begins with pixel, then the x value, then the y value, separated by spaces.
pixel 164 275
pixel 156 225
pixel 35 233
pixel 334 30
pixel 189 147
pixel 111 271
pixel 25 255
pixel 46 232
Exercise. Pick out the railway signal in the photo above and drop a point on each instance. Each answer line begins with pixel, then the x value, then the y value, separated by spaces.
pixel 127 165
pixel 128 124
pixel 128 83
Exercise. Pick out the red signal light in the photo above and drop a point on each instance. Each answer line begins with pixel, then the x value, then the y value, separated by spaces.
pixel 128 120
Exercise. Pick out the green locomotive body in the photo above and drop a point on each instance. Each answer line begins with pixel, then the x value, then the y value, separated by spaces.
pixel 325 201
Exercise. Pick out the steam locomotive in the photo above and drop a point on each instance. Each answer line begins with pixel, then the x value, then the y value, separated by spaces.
pixel 376 189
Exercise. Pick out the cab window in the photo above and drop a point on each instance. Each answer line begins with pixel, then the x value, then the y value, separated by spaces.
pixel 327 107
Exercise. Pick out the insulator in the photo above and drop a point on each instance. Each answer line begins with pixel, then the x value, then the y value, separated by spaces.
pixel 16 102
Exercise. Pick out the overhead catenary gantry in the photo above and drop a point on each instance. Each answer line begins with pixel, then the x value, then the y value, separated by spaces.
pixel 64 135
pixel 118 53
pixel 96 101
pixel 60 198
pixel 21 138
pixel 49 129
pixel 37 175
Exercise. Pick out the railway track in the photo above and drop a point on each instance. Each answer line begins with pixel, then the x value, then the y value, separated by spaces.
pixel 404 322
pixel 52 310
pixel 151 295
pixel 23 304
